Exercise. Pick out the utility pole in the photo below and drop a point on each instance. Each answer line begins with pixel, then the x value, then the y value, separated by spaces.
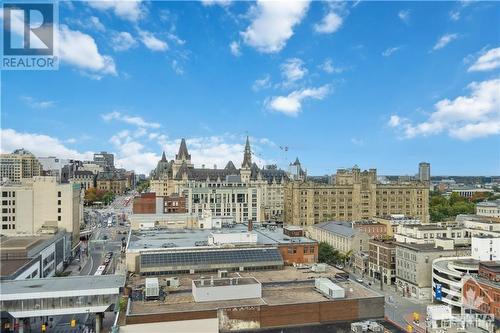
pixel 381 278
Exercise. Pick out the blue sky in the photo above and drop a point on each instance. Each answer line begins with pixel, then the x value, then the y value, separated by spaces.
pixel 378 84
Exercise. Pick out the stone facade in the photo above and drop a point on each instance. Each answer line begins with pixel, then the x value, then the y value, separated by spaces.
pixel 180 176
pixel 354 195
pixel 41 202
pixel 414 266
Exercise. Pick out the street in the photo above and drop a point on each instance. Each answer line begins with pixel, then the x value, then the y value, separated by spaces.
pixel 104 237
pixel 398 309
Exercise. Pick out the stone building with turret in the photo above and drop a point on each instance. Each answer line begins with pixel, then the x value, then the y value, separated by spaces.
pixel 249 192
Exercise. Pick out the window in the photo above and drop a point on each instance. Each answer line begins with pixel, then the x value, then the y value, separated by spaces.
pixel 59 218
pixel 59 209
pixel 58 202
pixel 58 194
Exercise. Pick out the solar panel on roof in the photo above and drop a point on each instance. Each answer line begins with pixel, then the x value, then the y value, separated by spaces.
pixel 211 257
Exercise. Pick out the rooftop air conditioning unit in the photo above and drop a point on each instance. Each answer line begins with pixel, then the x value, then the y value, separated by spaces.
pixel 152 288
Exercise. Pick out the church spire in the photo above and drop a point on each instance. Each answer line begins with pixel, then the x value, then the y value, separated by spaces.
pixel 163 157
pixel 183 152
pixel 247 157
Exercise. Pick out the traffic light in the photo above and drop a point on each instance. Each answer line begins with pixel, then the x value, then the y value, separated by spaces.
pixel 73 323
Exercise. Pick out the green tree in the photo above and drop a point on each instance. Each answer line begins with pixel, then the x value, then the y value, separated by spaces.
pixel 108 197
pixel 327 254
pixel 142 186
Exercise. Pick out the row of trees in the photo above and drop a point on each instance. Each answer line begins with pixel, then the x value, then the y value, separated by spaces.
pixel 93 195
pixel 444 208
pixel 329 255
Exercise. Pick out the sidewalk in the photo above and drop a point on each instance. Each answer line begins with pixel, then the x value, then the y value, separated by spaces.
pixel 398 309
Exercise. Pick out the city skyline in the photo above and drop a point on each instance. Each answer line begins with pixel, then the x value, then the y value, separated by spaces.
pixel 312 86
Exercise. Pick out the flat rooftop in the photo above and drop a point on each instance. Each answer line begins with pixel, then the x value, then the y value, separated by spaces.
pixel 189 238
pixel 225 282
pixel 21 243
pixel 59 284
pixel 279 287
pixel 429 247
pixel 10 266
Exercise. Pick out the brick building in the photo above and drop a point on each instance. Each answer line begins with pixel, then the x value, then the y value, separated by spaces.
pixel 145 204
pixel 374 229
pixel 484 290
pixel 382 261
pixel 174 203
pixel 149 203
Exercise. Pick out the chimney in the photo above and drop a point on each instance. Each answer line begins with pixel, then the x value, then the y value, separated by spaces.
pixel 250 225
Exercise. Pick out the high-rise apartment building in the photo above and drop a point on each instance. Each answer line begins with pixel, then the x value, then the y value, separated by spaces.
pixel 19 165
pixel 424 172
pixel 40 203
pixel 355 195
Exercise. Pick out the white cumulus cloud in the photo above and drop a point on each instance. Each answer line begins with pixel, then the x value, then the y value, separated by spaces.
pixel 330 23
pixel 273 23
pixel 486 62
pixel 79 49
pixel 291 105
pixel 293 70
pixel 132 120
pixel 39 144
pixel 130 10
pixel 152 42
pixel 465 117
pixel 122 41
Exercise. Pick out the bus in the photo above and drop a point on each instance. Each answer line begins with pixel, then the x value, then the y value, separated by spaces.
pixel 100 270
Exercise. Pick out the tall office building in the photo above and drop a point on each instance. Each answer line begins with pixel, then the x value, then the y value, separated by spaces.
pixel 105 159
pixel 19 165
pixel 40 203
pixel 424 172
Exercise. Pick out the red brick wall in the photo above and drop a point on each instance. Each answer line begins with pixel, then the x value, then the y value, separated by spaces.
pixel 296 253
pixel 282 315
pixel 374 230
pixel 175 316
pixel 145 204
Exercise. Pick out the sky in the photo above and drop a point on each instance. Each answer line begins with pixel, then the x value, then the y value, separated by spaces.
pixel 381 85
